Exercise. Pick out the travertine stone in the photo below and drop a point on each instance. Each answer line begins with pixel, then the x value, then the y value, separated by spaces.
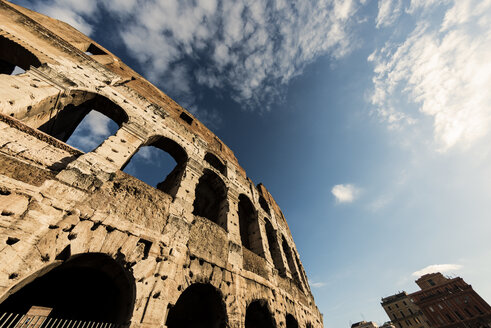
pixel 59 205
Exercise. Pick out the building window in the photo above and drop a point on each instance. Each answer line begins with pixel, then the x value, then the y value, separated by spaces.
pixel 400 325
pixel 402 313
pixel 410 311
pixel 468 312
pixel 431 282
pixel 417 320
pixel 404 302
pixel 431 309
pixel 478 309
pixel 389 308
pixel 395 316
pixel 459 315
pixel 449 317
pixel 397 305
pixel 440 306
pixel 440 319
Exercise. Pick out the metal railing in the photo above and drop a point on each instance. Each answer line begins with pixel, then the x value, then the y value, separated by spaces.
pixel 15 320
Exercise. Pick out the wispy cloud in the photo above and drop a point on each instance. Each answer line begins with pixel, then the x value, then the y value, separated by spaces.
pixel 251 48
pixel 318 284
pixel 443 68
pixel 437 268
pixel 93 130
pixel 388 12
pixel 345 193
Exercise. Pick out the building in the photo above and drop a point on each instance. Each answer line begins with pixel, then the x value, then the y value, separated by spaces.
pixel 86 245
pixel 388 324
pixel 451 302
pixel 403 313
pixel 364 324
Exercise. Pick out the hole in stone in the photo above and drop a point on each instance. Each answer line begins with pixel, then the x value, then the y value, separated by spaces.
pixel 72 236
pixel 146 247
pixel 4 192
pixel 12 240
pixel 7 213
pixel 13 275
pixel 186 118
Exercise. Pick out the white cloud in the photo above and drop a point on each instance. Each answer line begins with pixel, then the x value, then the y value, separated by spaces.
pixel 443 68
pixel 388 12
pixel 437 268
pixel 317 284
pixel 345 193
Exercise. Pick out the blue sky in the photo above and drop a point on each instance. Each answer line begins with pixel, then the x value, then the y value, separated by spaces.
pixel 368 121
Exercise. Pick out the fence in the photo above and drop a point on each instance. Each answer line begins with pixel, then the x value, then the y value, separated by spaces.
pixel 15 320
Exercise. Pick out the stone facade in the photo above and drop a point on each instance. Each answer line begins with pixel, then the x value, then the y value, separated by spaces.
pixel 206 247
pixel 403 313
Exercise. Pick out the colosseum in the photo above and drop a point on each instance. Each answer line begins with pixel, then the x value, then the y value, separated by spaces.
pixel 84 244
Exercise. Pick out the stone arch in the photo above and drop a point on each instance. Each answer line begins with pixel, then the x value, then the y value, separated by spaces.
pixel 264 204
pixel 14 54
pixel 211 198
pixel 200 305
pixel 258 315
pixel 87 286
pixel 172 181
pixel 250 233
pixel 62 123
pixel 291 322
pixel 215 162
pixel 290 261
pixel 301 272
pixel 274 248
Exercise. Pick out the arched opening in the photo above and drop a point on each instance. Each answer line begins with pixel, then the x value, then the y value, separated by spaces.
pixel 14 58
pixel 200 305
pixel 258 315
pixel 87 287
pixel 250 234
pixel 291 322
pixel 301 272
pixel 161 164
pixel 291 264
pixel 264 204
pixel 308 325
pixel 274 248
pixel 86 125
pixel 215 162
pixel 211 198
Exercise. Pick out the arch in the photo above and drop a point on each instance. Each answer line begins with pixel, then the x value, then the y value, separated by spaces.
pixel 274 248
pixel 258 315
pixel 63 124
pixel 291 264
pixel 211 198
pixel 250 234
pixel 152 172
pixel 215 162
pixel 90 286
pixel 13 54
pixel 301 272
pixel 291 322
pixel 200 305
pixel 264 204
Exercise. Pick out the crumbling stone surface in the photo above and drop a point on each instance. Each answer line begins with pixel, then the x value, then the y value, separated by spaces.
pixel 60 207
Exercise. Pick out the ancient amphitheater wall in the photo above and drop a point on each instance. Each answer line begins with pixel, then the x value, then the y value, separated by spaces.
pixel 73 225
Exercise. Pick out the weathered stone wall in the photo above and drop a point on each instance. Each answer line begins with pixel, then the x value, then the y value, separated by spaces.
pixel 57 202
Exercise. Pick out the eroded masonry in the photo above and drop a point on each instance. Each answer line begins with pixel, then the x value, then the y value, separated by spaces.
pixel 84 244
